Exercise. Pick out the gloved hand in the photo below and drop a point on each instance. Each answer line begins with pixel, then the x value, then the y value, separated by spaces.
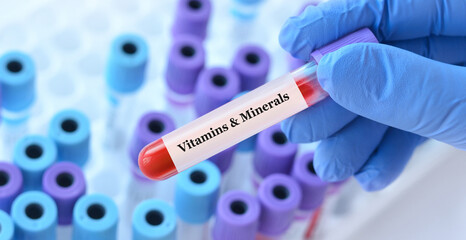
pixel 387 98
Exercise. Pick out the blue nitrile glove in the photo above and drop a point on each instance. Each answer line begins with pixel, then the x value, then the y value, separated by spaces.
pixel 383 100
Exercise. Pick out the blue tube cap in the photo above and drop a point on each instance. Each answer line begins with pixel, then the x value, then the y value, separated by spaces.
pixel 8 228
pixel 196 192
pixel 17 78
pixel 33 154
pixel 70 130
pixel 95 216
pixel 35 216
pixel 154 219
pixel 126 64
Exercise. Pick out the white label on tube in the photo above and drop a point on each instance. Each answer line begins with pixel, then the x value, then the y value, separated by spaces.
pixel 234 122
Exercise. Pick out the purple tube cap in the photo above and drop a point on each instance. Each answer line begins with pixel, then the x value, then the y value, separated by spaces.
pixel 274 153
pixel 11 184
pixel 252 64
pixel 185 61
pixel 237 216
pixel 360 36
pixel 313 188
pixel 65 183
pixel 279 196
pixel 192 17
pixel 215 87
pixel 151 126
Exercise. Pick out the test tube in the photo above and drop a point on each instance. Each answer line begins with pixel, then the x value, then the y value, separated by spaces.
pixel 7 226
pixel 33 154
pixel 274 154
pixel 243 117
pixel 279 196
pixel 35 216
pixel 70 130
pixel 154 219
pixel 252 64
pixel 17 81
pixel 215 87
pixel 95 216
pixel 313 194
pixel 65 183
pixel 196 196
pixel 125 75
pixel 151 126
pixel 191 18
pixel 237 217
pixel 11 185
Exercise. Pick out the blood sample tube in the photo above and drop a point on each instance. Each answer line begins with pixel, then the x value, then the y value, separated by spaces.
pixel 241 118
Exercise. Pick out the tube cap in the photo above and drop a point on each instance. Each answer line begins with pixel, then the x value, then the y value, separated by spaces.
pixel 191 18
pixel 11 185
pixel 33 154
pixel 154 220
pixel 126 66
pixel 362 35
pixel 8 228
pixel 279 196
pixel 35 216
pixel 17 78
pixel 313 188
pixel 95 216
pixel 252 64
pixel 274 153
pixel 196 192
pixel 70 129
pixel 151 126
pixel 65 183
pixel 185 61
pixel 215 87
pixel 237 216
